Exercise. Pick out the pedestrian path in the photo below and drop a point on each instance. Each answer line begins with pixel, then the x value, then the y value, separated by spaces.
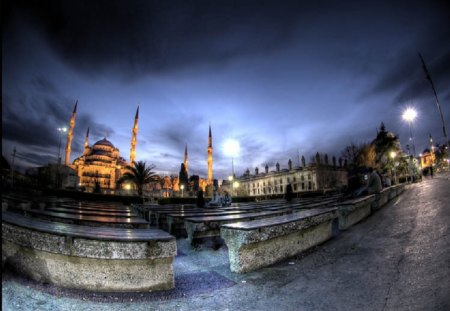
pixel 397 259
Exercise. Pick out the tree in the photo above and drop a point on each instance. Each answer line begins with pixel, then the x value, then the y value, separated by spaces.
pixel 139 175
pixel 183 177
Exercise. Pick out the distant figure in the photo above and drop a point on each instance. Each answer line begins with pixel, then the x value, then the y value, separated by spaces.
pixel 374 184
pixel 226 199
pixel 387 181
pixel 289 193
pixel 431 171
pixel 216 199
pixel 200 199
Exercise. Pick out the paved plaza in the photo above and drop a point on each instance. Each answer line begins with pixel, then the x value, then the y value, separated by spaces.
pixel 397 259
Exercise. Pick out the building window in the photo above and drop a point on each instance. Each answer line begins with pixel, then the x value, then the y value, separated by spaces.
pixel 309 176
pixel 309 185
pixel 295 187
pixel 303 186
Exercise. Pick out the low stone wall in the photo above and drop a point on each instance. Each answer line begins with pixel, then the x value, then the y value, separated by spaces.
pixel 83 262
pixel 260 243
pixel 352 212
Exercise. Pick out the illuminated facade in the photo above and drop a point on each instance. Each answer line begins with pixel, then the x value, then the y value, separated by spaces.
pixel 100 165
pixel 302 179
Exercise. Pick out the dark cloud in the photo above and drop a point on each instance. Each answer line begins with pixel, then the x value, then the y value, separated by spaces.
pixel 151 36
pixel 404 74
pixel 30 121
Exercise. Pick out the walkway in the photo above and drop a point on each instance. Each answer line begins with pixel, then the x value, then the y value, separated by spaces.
pixel 398 259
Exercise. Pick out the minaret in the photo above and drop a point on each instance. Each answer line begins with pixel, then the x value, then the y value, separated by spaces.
pixel 70 134
pixel 86 142
pixel 210 158
pixel 186 162
pixel 133 138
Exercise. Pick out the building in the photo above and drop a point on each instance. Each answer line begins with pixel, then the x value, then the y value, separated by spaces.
pixel 100 164
pixel 303 179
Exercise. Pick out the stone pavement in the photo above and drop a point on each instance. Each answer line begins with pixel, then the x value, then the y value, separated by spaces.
pixel 397 259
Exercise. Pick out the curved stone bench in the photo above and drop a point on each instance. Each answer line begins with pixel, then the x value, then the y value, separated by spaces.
pixel 353 211
pixel 92 258
pixel 260 243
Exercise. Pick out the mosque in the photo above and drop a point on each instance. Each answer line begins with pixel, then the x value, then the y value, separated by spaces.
pixel 100 165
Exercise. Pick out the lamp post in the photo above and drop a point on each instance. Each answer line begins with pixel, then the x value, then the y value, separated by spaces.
pixel 230 179
pixel 182 190
pixel 235 184
pixel 393 154
pixel 409 115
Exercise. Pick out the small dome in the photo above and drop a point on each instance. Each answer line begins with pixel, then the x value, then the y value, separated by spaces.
pixel 104 142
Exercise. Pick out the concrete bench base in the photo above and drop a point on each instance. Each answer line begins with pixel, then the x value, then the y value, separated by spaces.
pixel 353 212
pixel 90 263
pixel 90 273
pixel 252 249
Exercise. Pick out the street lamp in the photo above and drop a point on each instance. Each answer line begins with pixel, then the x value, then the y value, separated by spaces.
pixel 60 130
pixel 409 115
pixel 235 184
pixel 393 154
pixel 182 188
pixel 230 179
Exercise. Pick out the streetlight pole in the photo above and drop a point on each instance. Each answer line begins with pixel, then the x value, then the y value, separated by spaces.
pixel 409 115
pixel 428 77
pixel 230 179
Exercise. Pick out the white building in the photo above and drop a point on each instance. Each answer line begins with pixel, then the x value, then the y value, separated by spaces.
pixel 303 179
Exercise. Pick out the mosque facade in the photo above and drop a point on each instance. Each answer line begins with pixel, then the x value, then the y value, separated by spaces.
pixel 100 166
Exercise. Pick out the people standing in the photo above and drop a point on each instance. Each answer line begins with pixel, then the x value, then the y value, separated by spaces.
pixel 289 193
pixel 226 199
pixel 200 199
pixel 374 185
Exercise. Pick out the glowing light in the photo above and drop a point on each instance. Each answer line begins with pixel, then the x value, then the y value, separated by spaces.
pixel 127 186
pixel 393 154
pixel 231 147
pixel 409 115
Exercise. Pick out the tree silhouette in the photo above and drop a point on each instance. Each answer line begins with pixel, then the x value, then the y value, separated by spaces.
pixel 140 174
pixel 183 176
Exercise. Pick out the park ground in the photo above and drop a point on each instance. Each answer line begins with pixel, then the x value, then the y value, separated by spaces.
pixel 397 259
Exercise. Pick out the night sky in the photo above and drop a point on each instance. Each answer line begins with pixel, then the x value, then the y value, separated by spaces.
pixel 282 78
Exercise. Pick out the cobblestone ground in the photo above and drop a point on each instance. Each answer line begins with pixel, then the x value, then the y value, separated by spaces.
pixel 398 259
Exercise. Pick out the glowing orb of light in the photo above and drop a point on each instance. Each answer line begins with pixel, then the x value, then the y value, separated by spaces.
pixel 231 147
pixel 409 114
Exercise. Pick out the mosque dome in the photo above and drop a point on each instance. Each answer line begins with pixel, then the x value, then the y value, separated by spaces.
pixel 104 142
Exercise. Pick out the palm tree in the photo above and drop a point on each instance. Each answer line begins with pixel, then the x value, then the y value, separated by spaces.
pixel 139 175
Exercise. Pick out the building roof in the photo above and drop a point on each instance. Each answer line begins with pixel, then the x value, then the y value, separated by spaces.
pixel 104 142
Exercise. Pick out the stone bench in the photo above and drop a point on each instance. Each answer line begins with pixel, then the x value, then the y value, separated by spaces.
pixel 353 211
pixel 91 258
pixel 198 228
pixel 90 219
pixel 260 243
